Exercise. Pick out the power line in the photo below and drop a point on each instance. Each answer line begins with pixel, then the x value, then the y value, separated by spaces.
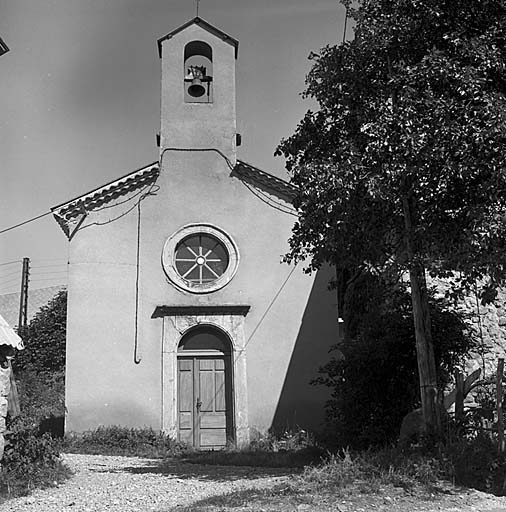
pixel 10 263
pixel 60 275
pixel 12 280
pixel 8 291
pixel 56 270
pixel 45 279
pixel 50 272
pixel 10 274
pixel 25 222
pixel 50 259
pixel 50 266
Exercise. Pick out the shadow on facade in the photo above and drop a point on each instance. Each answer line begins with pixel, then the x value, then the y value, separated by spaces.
pixel 301 405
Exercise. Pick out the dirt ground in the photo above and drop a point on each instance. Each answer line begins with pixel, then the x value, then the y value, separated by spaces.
pixel 122 484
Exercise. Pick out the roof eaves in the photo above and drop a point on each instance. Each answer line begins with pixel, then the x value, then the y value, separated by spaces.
pixel 270 182
pixel 3 47
pixel 108 185
pixel 206 26
pixel 66 212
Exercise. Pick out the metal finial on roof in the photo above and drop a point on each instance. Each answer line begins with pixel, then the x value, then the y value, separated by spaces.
pixel 197 2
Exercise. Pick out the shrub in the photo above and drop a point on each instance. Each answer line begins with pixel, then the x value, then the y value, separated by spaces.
pixel 30 461
pixel 116 440
pixel 41 395
pixel 374 377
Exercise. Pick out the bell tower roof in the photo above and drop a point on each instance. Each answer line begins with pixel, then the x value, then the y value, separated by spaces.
pixel 206 26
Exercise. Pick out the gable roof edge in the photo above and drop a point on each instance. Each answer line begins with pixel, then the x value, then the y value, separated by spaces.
pixel 206 26
pixel 65 212
pixel 246 171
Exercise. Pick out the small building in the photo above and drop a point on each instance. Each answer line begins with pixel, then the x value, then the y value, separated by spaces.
pixel 181 314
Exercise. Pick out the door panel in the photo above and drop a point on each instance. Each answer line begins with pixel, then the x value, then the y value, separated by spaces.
pixel 220 400
pixel 204 401
pixel 206 390
pixel 206 364
pixel 213 421
pixel 185 400
pixel 213 439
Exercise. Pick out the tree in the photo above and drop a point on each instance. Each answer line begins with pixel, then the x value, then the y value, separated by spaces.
pixel 403 165
pixel 375 384
pixel 44 339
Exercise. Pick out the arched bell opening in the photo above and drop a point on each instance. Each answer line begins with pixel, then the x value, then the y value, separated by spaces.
pixel 198 72
pixel 205 404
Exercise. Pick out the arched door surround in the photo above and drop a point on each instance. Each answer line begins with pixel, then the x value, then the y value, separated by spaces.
pixel 204 382
pixel 200 341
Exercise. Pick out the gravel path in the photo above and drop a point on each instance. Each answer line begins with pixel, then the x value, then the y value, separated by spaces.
pixel 123 484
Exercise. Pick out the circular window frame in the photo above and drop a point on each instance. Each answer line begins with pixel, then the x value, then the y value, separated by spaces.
pixel 169 258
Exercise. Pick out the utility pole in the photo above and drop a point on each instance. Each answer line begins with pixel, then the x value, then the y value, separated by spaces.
pixel 23 299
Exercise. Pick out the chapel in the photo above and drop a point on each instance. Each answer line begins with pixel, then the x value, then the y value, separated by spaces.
pixel 182 315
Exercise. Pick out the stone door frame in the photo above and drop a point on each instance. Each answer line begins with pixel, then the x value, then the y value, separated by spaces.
pixel 177 321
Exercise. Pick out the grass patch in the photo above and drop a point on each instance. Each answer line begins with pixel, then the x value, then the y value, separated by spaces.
pixel 338 476
pixel 290 449
pixel 372 469
pixel 128 442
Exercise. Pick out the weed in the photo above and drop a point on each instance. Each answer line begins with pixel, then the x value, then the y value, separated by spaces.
pixel 30 461
pixel 335 473
pixel 130 442
pixel 290 449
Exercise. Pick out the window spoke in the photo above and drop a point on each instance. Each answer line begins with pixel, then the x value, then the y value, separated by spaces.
pixel 201 259
pixel 186 273
pixel 212 271
pixel 211 250
pixel 191 250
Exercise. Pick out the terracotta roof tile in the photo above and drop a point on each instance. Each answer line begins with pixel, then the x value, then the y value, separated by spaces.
pixel 267 181
pixel 66 212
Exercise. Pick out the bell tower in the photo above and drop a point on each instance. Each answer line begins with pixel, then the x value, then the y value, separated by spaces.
pixel 198 89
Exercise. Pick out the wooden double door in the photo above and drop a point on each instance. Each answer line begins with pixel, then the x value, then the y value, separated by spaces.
pixel 205 419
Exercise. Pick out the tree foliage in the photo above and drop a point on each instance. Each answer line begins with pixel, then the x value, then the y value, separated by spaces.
pixel 44 339
pixel 414 107
pixel 375 384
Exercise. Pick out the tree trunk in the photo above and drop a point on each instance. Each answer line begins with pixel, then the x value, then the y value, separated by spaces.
pixel 423 332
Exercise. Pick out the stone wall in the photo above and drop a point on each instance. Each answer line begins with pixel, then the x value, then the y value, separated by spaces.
pixel 488 327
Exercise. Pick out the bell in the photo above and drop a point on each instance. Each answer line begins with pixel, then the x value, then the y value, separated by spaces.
pixel 196 88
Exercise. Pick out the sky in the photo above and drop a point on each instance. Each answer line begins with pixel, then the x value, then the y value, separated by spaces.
pixel 80 100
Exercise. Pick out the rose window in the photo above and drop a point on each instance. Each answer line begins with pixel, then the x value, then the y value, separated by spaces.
pixel 201 259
